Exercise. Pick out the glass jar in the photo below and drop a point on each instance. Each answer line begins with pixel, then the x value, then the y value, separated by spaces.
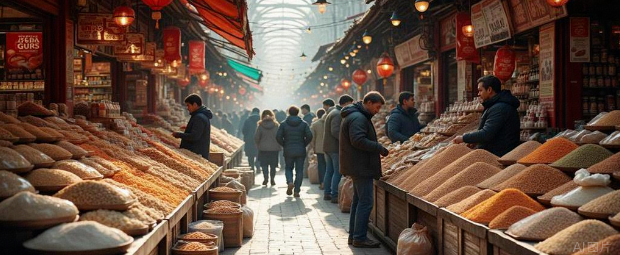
pixel 593 105
pixel 585 68
pixel 599 69
pixel 585 105
pixel 600 82
pixel 591 69
pixel 601 104
pixel 592 82
pixel 607 82
pixel 611 70
pixel 611 102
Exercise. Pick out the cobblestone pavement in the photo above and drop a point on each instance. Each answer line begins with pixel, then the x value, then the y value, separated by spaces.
pixel 306 225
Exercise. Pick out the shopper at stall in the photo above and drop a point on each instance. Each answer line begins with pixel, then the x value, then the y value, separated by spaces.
pixel 403 121
pixel 499 129
pixel 197 135
pixel 249 130
pixel 330 147
pixel 328 103
pixel 227 124
pixel 360 159
pixel 268 147
pixel 318 131
pixel 294 135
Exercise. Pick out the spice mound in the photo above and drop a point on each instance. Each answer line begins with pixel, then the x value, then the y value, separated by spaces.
pixel 510 216
pixel 222 203
pixel 19 132
pixel 55 152
pixel 535 180
pixel 608 204
pixel 584 232
pixel 191 246
pixel 521 151
pixel 456 196
pixel 471 201
pixel 471 175
pixel 566 187
pixel 11 184
pixel 224 189
pixel 83 171
pixel 77 151
pixel 607 166
pixel 79 236
pixel 543 225
pixel 608 120
pixel 486 211
pixel 95 193
pixel 44 177
pixel 583 157
pixel 113 219
pixel 502 176
pixel 195 235
pixel 549 152
pixel 39 159
pixel 607 246
pixel 29 206
pixel 435 164
pixel 223 210
pixel 12 161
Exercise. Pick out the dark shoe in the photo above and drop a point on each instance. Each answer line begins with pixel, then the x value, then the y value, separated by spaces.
pixel 296 194
pixel 366 244
pixel 321 187
pixel 335 200
pixel 327 197
pixel 289 190
pixel 350 242
pixel 273 183
pixel 265 182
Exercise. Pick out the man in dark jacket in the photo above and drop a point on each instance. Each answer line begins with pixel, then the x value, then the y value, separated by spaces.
pixel 331 135
pixel 227 124
pixel 249 130
pixel 499 128
pixel 403 122
pixel 308 115
pixel 360 159
pixel 294 135
pixel 197 135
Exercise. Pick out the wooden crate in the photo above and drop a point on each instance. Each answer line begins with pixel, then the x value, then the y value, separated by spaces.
pixel 380 206
pixel 425 214
pixel 459 236
pixel 505 245
pixel 397 212
pixel 217 158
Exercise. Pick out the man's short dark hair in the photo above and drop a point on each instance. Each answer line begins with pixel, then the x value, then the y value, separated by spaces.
pixel 293 111
pixel 345 99
pixel 193 99
pixel 305 106
pixel 329 102
pixel 320 112
pixel 405 95
pixel 491 81
pixel 255 110
pixel 374 97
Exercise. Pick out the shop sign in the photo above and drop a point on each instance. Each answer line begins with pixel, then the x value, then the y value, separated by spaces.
pixel 133 46
pixel 24 55
pixel 579 39
pixel 148 56
pixel 99 29
pixel 447 29
pixel 172 44
pixel 527 14
pixel 410 52
pixel 547 66
pixel 196 56
pixel 465 47
pixel 490 22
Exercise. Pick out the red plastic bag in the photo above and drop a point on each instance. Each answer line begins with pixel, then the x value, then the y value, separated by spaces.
pixel 415 241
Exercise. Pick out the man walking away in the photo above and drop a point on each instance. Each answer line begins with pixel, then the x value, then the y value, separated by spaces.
pixel 249 130
pixel 197 135
pixel 308 115
pixel 360 159
pixel 330 147
pixel 318 131
pixel 268 147
pixel 403 122
pixel 499 129
pixel 227 124
pixel 294 135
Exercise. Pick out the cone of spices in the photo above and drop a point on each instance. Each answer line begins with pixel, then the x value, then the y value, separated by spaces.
pixel 519 152
pixel 471 201
pixel 535 180
pixel 486 211
pixel 566 187
pixel 584 232
pixel 510 216
pixel 456 196
pixel 502 176
pixel 543 225
pixel 583 157
pixel 607 246
pixel 602 207
pixel 607 166
pixel 551 151
pixel 471 175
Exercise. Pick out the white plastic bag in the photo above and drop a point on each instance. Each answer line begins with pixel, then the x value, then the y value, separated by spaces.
pixel 415 241
pixel 585 179
pixel 215 227
pixel 248 221
pixel 591 186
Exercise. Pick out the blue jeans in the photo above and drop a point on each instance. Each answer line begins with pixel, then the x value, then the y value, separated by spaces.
pixel 332 174
pixel 361 207
pixel 320 158
pixel 298 164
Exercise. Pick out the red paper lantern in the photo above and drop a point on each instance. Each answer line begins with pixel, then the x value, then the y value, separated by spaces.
pixel 339 89
pixel 156 6
pixel 242 91
pixel 203 83
pixel 183 82
pixel 345 83
pixel 557 3
pixel 359 76
pixel 124 16
pixel 385 66
pixel 505 62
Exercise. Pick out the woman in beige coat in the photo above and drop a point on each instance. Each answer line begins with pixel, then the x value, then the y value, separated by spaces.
pixel 268 147
pixel 318 131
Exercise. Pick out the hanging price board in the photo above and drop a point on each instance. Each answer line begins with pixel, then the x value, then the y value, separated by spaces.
pixel 490 22
pixel 95 28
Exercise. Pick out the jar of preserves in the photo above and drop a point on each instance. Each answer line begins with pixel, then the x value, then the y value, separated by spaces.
pixel 599 69
pixel 585 68
pixel 611 102
pixel 600 82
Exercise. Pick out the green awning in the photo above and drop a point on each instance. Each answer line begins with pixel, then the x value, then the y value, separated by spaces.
pixel 246 70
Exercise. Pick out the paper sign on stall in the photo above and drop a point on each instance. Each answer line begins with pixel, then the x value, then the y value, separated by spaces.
pixel 490 21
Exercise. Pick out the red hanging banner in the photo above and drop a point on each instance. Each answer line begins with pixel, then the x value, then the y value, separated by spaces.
pixel 196 56
pixel 465 47
pixel 505 62
pixel 172 44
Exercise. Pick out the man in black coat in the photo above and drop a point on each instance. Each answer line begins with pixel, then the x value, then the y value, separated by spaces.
pixel 294 135
pixel 360 158
pixel 403 121
pixel 499 128
pixel 197 135
pixel 248 131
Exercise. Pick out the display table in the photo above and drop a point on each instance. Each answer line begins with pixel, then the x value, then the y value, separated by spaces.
pixel 201 193
pixel 152 243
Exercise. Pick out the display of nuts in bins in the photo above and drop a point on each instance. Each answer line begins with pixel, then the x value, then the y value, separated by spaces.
pixel 55 152
pixel 224 189
pixel 192 246
pixel 223 210
pixel 114 219
pixel 83 171
pixel 95 193
pixel 222 203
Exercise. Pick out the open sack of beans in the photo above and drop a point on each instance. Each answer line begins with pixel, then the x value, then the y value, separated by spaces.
pixel 415 241
pixel 591 186
pixel 214 227
pixel 237 185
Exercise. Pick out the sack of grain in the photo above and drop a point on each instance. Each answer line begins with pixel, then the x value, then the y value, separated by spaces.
pixel 313 173
pixel 248 221
pixel 214 227
pixel 346 195
pixel 415 241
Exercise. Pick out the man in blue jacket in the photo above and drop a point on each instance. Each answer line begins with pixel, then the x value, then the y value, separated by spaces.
pixel 197 135
pixel 294 135
pixel 403 122
pixel 499 128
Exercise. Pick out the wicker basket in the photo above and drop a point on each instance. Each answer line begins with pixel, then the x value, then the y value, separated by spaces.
pixel 230 196
pixel 233 227
pixel 232 173
pixel 213 250
pixel 247 178
pixel 212 238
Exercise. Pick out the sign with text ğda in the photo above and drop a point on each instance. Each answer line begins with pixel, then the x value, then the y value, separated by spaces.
pixel 490 22
pixel 95 28
pixel 410 52
pixel 24 55
pixel 547 66
pixel 579 39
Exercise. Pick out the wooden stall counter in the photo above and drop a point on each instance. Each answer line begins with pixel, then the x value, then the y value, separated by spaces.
pixel 152 243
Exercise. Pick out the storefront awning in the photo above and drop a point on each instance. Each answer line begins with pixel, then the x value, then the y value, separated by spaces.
pixel 226 18
pixel 250 72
